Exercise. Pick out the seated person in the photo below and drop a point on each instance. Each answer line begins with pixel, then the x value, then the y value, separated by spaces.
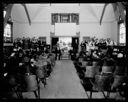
pixel 26 67
pixel 106 60
pixel 95 55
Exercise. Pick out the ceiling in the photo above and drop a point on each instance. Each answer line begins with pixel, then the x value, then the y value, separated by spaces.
pixel 28 12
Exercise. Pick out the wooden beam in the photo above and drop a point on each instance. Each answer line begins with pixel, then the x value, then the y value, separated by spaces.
pixel 93 13
pixel 116 12
pixel 26 10
pixel 103 13
pixel 8 13
pixel 121 11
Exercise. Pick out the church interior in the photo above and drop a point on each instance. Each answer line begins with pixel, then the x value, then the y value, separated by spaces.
pixel 64 51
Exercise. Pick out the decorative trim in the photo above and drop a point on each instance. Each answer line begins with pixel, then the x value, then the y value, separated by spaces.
pixel 64 18
pixel 8 44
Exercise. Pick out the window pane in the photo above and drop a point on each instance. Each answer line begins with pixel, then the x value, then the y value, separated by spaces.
pixel 122 35
pixel 4 13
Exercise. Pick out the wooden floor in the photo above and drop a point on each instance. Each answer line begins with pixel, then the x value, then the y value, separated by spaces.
pixel 64 83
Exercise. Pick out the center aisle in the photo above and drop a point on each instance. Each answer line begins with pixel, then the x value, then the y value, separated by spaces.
pixel 63 82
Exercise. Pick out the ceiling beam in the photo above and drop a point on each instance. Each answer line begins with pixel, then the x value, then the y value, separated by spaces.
pixel 101 18
pixel 26 10
pixel 93 12
pixel 8 13
pixel 116 11
pixel 121 11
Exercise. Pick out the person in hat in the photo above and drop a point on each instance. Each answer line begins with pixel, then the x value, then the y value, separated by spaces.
pixel 26 68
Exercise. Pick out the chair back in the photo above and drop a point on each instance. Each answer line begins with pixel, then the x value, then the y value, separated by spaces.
pixel 31 82
pixel 12 80
pixel 118 80
pixel 84 63
pixel 103 82
pixel 80 59
pixel 40 72
pixel 90 72
pixel 106 69
pixel 94 63
pixel 120 70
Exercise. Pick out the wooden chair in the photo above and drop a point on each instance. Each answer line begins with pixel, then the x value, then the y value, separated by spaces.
pixel 118 86
pixel 88 75
pixel 102 83
pixel 13 85
pixel 96 83
pixel 32 84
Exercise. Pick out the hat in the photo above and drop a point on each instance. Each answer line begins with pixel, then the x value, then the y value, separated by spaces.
pixel 120 55
pixel 15 49
pixel 12 54
pixel 26 59
pixel 114 53
pixel 115 49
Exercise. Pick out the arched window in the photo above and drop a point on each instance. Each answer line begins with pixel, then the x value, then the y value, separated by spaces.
pixel 122 33
pixel 4 13
pixel 8 33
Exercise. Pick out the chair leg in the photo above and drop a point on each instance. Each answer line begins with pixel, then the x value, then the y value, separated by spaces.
pixel 108 94
pixel 90 94
pixel 20 95
pixel 87 94
pixel 44 81
pixel 38 91
pixel 35 94
pixel 17 93
pixel 38 82
pixel 13 90
pixel 104 94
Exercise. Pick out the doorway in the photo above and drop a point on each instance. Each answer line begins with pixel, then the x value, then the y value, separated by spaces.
pixel 54 41
pixel 66 44
pixel 75 44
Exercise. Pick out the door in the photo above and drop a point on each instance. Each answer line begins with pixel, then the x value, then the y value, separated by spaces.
pixel 75 44
pixel 54 41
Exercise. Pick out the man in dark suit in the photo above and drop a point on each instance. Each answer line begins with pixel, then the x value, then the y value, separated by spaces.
pixel 57 52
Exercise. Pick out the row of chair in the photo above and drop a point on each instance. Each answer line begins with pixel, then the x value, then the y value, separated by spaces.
pixel 96 78
pixel 30 82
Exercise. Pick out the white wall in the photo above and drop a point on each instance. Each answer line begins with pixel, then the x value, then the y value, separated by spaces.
pixel 40 25
pixel 65 29
pixel 41 21
pixel 35 30
pixel 62 8
pixel 90 22
pixel 106 30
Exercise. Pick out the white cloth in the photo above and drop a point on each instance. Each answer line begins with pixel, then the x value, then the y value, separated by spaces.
pixel 87 47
